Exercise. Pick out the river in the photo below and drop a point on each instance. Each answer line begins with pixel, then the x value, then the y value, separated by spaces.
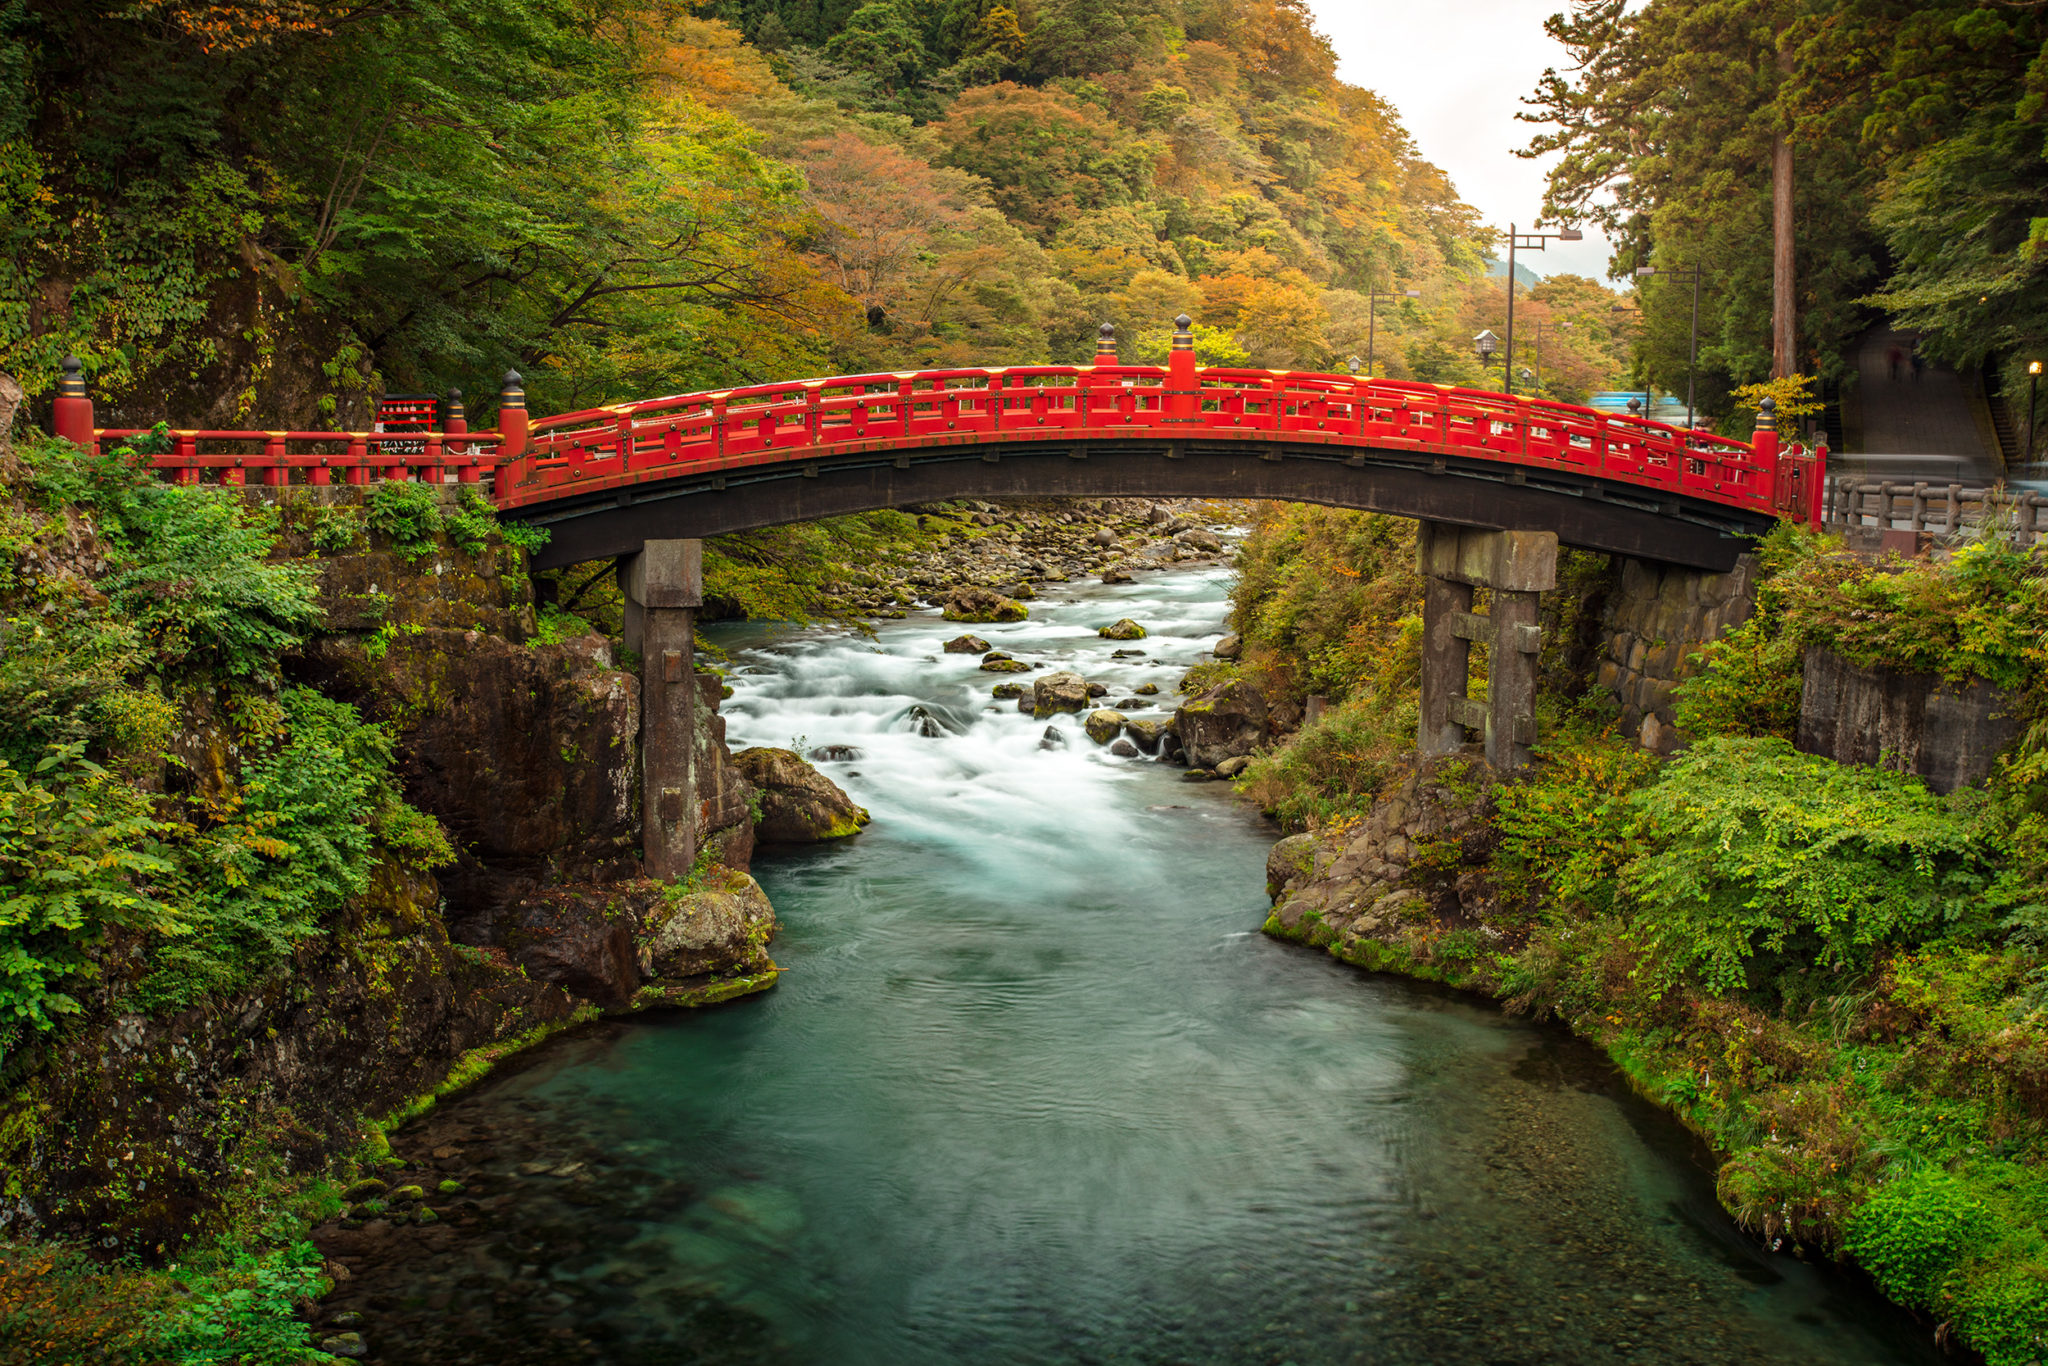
pixel 1034 1089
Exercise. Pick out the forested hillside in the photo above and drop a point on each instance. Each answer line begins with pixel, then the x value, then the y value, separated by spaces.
pixel 1918 135
pixel 264 210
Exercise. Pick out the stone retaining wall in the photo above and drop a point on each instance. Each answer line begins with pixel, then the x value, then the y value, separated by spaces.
pixel 1949 734
pixel 1655 620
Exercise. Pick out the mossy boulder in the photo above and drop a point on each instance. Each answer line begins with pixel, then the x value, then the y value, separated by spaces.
pixel 1147 690
pixel 1062 691
pixel 970 603
pixel 1104 725
pixel 1122 629
pixel 1005 666
pixel 799 805
pixel 1004 692
pixel 720 927
pixel 966 645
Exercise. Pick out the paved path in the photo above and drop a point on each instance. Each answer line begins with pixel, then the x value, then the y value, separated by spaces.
pixel 1903 415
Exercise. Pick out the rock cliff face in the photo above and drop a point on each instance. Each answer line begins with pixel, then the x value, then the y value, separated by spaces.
pixel 135 1133
pixel 140 1132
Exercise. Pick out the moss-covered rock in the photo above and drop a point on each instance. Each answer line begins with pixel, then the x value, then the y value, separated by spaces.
pixel 982 604
pixel 1005 666
pixel 1122 629
pixel 799 805
pixel 1104 725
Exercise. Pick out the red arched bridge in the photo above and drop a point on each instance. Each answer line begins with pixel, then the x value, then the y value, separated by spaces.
pixel 1497 483
pixel 606 480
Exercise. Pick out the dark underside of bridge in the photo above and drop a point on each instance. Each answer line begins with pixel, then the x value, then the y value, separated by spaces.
pixel 1594 514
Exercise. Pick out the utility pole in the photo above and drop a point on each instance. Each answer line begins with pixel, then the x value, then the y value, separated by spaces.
pixel 1527 241
pixel 1784 324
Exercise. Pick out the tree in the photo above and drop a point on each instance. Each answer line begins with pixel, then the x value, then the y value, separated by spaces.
pixel 882 40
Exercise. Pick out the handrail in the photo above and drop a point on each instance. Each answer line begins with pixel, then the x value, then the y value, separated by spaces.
pixel 530 463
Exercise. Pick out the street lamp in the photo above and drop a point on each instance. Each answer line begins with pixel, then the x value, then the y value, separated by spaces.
pixel 1528 241
pixel 2033 380
pixel 1372 318
pixel 1486 344
pixel 1693 363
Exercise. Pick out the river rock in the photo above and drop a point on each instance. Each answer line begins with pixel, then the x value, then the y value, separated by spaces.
pixel 1053 738
pixel 1124 749
pixel 1098 689
pixel 837 754
pixel 1122 629
pixel 1228 720
pixel 799 805
pixel 1005 691
pixel 1146 734
pixel 1004 665
pixel 349 1345
pixel 1202 539
pixel 722 927
pixel 1104 537
pixel 1019 589
pixel 1103 725
pixel 1147 690
pixel 971 603
pixel 966 645
pixel 1115 574
pixel 1230 768
pixel 1062 691
pixel 1230 647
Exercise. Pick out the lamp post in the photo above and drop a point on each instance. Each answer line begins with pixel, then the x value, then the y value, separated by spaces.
pixel 2033 382
pixel 1692 364
pixel 1372 319
pixel 1527 241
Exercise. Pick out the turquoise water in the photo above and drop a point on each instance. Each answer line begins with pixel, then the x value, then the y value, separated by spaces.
pixel 1034 1090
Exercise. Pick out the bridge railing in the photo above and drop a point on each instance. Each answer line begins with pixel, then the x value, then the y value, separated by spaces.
pixel 276 459
pixel 603 448
pixel 1944 512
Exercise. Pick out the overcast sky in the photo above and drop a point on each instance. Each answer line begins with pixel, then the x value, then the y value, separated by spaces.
pixel 1457 74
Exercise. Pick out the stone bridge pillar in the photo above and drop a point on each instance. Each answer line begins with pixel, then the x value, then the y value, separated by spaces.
pixel 1517 566
pixel 664 587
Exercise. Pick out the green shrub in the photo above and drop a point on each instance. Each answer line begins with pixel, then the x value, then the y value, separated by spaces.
pixel 78 847
pixel 1568 828
pixel 407 514
pixel 196 581
pixel 297 842
pixel 1754 847
pixel 1335 766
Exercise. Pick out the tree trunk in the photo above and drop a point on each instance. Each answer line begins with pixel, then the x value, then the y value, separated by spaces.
pixel 1784 323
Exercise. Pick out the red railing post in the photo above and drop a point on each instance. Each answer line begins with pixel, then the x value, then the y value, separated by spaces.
pixel 1183 375
pixel 456 426
pixel 276 474
pixel 71 414
pixel 512 461
pixel 358 471
pixel 185 447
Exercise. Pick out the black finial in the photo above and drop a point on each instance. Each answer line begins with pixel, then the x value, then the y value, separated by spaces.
pixel 510 392
pixel 1107 332
pixel 73 383
pixel 455 396
pixel 512 380
pixel 1183 322
pixel 1767 415
pixel 1635 407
